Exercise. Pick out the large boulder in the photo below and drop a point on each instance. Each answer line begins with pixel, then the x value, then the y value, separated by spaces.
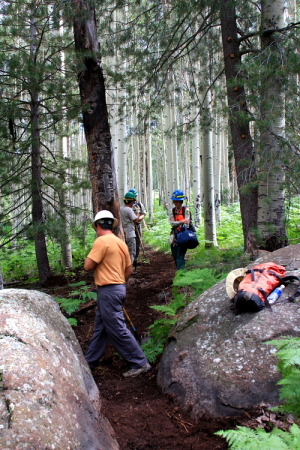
pixel 48 397
pixel 217 363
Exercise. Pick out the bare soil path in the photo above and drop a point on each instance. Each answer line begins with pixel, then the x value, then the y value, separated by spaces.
pixel 142 416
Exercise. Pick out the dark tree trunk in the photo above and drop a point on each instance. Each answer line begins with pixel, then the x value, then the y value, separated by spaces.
pixel 240 131
pixel 94 110
pixel 38 213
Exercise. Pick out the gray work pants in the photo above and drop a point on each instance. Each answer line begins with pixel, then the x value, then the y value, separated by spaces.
pixel 131 244
pixel 110 325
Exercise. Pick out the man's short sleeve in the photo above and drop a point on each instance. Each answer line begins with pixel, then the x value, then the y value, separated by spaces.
pixel 132 215
pixel 98 251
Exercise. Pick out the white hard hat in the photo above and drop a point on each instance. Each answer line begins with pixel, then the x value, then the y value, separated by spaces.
pixel 104 214
pixel 233 280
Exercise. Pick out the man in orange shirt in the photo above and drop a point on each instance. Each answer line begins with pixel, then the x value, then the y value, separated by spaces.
pixel 110 260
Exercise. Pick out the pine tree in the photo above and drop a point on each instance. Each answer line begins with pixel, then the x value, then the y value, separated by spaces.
pixel 36 96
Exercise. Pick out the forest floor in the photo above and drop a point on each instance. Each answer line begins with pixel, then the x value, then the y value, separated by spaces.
pixel 142 416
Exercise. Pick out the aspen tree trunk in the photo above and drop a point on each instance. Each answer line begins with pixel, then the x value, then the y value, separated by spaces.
pixel 64 194
pixel 208 193
pixel 64 209
pixel 169 156
pixel 144 189
pixel 165 173
pixel 94 111
pixel 186 165
pixel 196 174
pixel 271 208
pixel 176 180
pixel 122 156
pixel 240 130
pixel 217 172
pixel 135 182
pixel 225 183
pixel 150 170
pixel 38 213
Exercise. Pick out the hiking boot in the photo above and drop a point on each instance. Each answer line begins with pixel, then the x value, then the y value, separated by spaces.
pixel 136 372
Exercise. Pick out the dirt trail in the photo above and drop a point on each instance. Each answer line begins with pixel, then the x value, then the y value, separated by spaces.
pixel 142 416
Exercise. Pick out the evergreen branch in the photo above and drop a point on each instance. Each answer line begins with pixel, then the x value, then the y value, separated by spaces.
pixel 290 26
pixel 12 238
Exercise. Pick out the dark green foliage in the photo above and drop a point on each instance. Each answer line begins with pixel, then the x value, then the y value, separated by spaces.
pixel 75 299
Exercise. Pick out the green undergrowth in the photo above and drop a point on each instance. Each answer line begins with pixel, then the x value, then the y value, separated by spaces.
pixel 18 260
pixel 187 285
pixel 204 268
pixel 76 298
pixel 288 353
pixel 244 438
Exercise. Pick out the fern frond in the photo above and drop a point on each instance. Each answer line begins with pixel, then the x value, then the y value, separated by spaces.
pixel 244 438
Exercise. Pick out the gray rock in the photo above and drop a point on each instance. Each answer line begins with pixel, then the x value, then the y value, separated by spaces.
pixel 219 364
pixel 49 399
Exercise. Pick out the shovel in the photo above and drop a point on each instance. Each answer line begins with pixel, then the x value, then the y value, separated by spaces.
pixel 133 329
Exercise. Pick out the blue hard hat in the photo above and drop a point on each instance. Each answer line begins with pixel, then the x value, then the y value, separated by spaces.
pixel 178 195
pixel 134 191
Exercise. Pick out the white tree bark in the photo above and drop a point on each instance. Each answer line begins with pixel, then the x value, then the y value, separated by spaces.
pixel 196 174
pixel 217 171
pixel 271 209
pixel 149 170
pixel 208 193
pixel 63 144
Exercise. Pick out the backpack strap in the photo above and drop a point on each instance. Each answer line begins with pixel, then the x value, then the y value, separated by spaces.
pixel 268 306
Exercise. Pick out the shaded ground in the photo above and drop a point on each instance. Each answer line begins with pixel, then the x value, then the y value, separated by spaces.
pixel 142 416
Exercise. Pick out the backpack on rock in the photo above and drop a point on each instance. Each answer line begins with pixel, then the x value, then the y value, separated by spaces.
pixel 255 285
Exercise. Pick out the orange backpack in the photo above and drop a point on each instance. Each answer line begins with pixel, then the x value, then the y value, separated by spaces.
pixel 258 283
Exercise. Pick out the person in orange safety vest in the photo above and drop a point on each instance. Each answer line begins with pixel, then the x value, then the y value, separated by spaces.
pixel 180 216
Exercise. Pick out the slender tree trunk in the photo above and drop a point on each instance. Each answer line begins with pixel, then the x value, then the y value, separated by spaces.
pixel 38 213
pixel 63 144
pixel 271 196
pixel 94 111
pixel 196 173
pixel 150 169
pixel 240 131
pixel 210 229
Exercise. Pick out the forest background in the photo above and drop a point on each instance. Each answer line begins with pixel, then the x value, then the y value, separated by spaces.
pixel 97 97
pixel 201 96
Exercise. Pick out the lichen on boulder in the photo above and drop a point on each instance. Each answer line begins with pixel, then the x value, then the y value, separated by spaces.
pixel 48 399
pixel 218 363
